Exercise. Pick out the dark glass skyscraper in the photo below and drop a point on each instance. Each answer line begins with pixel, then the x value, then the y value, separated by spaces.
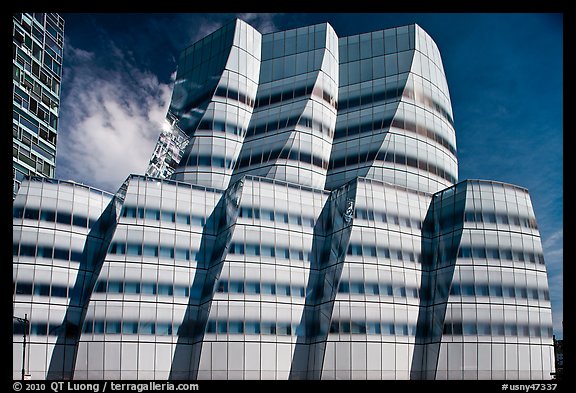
pixel 36 72
pixel 306 222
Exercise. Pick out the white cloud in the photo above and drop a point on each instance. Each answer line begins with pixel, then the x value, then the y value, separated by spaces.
pixel 111 117
pixel 555 239
pixel 264 23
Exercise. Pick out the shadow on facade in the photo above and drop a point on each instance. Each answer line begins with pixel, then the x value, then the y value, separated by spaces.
pixel 441 235
pixel 329 246
pixel 63 361
pixel 214 244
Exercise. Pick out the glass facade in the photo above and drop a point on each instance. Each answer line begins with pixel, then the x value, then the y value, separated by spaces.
pixel 38 39
pixel 313 228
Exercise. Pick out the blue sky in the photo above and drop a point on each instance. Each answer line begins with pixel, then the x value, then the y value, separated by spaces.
pixel 504 73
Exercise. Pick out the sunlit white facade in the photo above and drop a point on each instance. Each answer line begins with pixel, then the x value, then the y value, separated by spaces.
pixel 314 228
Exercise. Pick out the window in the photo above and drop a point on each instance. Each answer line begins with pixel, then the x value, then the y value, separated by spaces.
pixel 98 327
pixel 252 249
pixel 522 293
pixel 268 251
pixel 166 252
pixel 182 291
pixel 523 331
pixel 129 212
pixel 182 254
pixel 149 288
pixel 87 327
pixel 150 250
pixel 497 329
pixel 489 218
pixel 268 328
pixel 211 327
pixel 42 289
pixel 506 254
pixel 236 248
pixel 252 328
pixel 283 290
pixel 27 251
pixel 344 287
pixel 400 291
pixel 464 252
pixel 115 287
pixel 100 287
pixel 59 291
pixel 401 329
pixel 357 287
pixel 165 289
pixel 64 218
pixel 132 287
pixel 164 329
pixel 60 253
pixel 495 290
pixel 112 327
pixel 182 218
pixel 372 289
pixel 468 290
pixel 457 328
pixel 509 292
pixel 268 215
pixel 383 252
pixel 18 212
pixel 147 327
pixel 79 221
pixel 373 327
pixel 388 328
pixel 268 289
pixel 469 329
pixel 252 288
pixel 31 214
pixel 295 220
pixel 129 327
pixel 197 221
pixel 298 291
pixel 222 286
pixel 478 252
pixel 484 329
pixel 518 256
pixel 355 249
pixel 386 289
pixel 534 331
pixel 246 212
pixel 370 251
pixel 455 289
pixel 236 327
pixel 49 216
pixel 482 290
pixel 510 330
pixel 236 287
pixel 39 329
pixel 357 327
pixel 221 327
pixel 134 249
pixel 168 216
pixel 152 214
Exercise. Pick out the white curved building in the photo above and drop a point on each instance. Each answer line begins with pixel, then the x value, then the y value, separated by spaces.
pixel 314 228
